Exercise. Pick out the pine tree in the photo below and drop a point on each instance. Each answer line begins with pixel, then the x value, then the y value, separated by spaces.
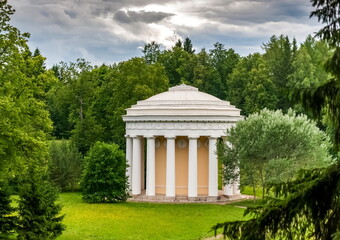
pixel 39 215
pixel 7 220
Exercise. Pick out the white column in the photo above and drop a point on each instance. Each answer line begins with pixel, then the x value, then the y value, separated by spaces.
pixel 136 166
pixel 213 168
pixel 192 167
pixel 150 167
pixel 170 166
pixel 129 158
pixel 228 190
pixel 237 190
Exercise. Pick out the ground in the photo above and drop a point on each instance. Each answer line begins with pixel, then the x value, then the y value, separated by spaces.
pixel 141 220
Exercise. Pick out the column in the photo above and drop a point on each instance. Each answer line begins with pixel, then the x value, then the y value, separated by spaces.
pixel 129 158
pixel 150 166
pixel 213 168
pixel 237 190
pixel 228 190
pixel 192 167
pixel 136 166
pixel 170 166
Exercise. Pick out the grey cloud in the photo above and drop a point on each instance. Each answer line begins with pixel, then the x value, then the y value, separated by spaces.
pixel 70 13
pixel 140 16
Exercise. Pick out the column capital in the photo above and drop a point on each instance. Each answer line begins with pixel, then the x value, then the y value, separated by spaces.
pixel 213 136
pixel 170 136
pixel 193 136
pixel 150 136
pixel 135 136
pixel 127 136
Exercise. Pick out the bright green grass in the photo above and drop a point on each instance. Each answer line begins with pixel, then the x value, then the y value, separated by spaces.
pixel 141 220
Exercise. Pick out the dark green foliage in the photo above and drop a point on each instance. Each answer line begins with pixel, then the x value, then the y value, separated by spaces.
pixel 7 219
pixel 187 46
pixel 151 52
pixel 39 215
pixel 307 208
pixel 104 178
pixel 66 165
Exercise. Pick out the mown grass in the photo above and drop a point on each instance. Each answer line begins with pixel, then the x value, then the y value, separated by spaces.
pixel 141 220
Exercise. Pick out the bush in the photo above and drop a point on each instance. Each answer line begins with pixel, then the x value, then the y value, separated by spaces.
pixel 66 165
pixel 39 217
pixel 104 178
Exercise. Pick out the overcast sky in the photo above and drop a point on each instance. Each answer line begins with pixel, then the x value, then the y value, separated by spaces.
pixel 108 31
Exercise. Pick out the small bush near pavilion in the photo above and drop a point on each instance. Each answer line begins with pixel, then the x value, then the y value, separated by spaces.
pixel 104 178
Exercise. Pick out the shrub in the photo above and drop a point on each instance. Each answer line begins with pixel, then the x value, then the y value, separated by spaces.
pixel 104 178
pixel 39 215
pixel 66 165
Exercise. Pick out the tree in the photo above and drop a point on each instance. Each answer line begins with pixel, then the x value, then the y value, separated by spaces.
pixel 250 86
pixel 151 52
pixel 224 61
pixel 270 147
pixel 279 55
pixel 66 165
pixel 7 218
pixel 104 178
pixel 309 206
pixel 39 215
pixel 187 46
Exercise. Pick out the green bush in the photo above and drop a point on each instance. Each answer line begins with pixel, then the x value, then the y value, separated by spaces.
pixel 66 164
pixel 104 178
pixel 39 215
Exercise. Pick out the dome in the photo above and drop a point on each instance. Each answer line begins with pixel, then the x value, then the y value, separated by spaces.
pixel 182 102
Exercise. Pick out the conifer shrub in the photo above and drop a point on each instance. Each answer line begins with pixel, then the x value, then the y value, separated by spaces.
pixel 104 178
pixel 39 214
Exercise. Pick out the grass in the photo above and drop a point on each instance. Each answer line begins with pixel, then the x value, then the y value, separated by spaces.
pixel 141 220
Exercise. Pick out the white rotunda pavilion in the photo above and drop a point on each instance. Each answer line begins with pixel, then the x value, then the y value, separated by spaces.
pixel 181 127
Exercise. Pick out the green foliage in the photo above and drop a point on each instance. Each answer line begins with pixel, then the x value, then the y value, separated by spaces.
pixel 272 147
pixel 306 208
pixel 279 55
pixel 104 178
pixel 24 120
pixel 151 52
pixel 7 219
pixel 250 85
pixel 66 165
pixel 39 215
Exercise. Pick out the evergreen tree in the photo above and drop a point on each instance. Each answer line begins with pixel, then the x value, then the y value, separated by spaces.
pixel 187 46
pixel 39 215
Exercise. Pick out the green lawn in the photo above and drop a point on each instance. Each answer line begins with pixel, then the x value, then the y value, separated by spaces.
pixel 141 220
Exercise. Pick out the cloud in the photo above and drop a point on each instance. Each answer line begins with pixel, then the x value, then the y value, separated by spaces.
pixel 140 16
pixel 110 31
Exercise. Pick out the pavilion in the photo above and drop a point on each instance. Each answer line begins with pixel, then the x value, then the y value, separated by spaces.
pixel 171 143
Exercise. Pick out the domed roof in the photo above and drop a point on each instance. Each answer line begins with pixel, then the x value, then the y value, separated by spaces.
pixel 182 102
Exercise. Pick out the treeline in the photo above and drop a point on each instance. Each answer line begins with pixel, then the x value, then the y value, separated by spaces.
pixel 87 102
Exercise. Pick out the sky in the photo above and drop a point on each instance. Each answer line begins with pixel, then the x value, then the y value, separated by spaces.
pixel 111 31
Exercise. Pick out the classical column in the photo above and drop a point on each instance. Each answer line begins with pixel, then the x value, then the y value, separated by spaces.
pixel 213 168
pixel 228 189
pixel 150 166
pixel 192 167
pixel 129 158
pixel 237 190
pixel 170 166
pixel 136 166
